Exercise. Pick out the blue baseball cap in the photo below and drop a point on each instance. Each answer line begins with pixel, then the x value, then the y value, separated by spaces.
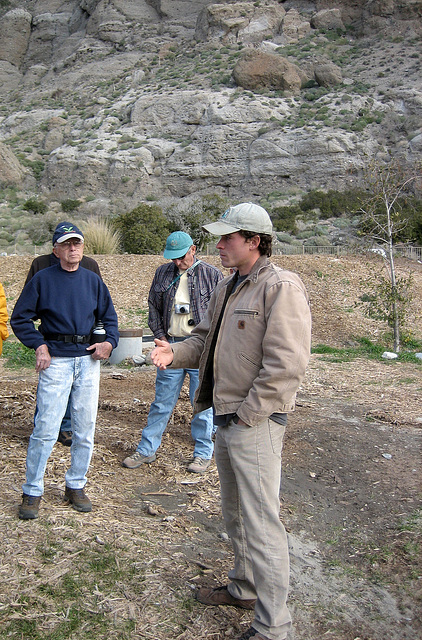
pixel 66 230
pixel 177 245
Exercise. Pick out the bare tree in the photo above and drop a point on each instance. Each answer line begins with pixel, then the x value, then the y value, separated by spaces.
pixel 384 222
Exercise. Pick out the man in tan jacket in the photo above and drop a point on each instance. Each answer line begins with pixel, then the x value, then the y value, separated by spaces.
pixel 252 349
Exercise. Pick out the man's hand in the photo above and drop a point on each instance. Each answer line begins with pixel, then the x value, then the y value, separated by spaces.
pixel 162 355
pixel 100 350
pixel 43 358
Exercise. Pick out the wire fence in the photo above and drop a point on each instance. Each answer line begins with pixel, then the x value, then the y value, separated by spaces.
pixel 404 251
pixel 412 253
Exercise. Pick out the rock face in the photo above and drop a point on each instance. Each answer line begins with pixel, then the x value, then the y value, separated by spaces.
pixel 239 22
pixel 117 101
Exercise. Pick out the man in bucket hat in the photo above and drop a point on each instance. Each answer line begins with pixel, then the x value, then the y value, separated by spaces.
pixel 252 349
pixel 177 301
pixel 68 300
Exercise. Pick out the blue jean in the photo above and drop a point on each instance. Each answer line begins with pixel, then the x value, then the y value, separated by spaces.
pixel 66 424
pixel 76 379
pixel 167 389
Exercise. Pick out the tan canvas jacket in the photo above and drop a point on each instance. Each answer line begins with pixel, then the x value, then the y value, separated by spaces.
pixel 262 347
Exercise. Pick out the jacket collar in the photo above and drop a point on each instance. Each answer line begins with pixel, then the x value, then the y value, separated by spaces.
pixel 261 263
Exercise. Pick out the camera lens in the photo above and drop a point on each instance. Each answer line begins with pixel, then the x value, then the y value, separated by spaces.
pixel 182 309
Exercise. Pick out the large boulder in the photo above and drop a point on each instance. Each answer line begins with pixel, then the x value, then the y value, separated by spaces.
pixel 327 74
pixel 239 22
pixel 10 77
pixel 15 31
pixel 328 19
pixel 260 70
pixel 11 171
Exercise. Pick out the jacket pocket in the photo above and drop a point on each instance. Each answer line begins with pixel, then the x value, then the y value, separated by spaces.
pixel 246 312
pixel 248 359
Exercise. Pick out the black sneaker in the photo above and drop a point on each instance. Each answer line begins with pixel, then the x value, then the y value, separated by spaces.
pixel 78 499
pixel 28 510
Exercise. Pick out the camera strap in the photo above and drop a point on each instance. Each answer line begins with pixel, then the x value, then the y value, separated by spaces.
pixel 179 275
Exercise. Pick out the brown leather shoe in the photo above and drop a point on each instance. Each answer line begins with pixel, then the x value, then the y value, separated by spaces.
pixel 78 499
pixel 221 595
pixel 28 510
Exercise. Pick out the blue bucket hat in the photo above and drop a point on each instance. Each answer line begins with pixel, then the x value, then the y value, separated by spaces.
pixel 177 245
pixel 66 230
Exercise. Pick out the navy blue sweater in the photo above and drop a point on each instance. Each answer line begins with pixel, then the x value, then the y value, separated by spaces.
pixel 66 302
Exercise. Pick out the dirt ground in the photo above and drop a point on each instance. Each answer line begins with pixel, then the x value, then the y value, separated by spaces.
pixel 351 485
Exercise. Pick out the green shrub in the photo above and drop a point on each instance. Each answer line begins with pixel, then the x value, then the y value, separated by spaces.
pixel 284 218
pixel 70 205
pixel 35 206
pixel 143 230
pixel 332 203
pixel 37 166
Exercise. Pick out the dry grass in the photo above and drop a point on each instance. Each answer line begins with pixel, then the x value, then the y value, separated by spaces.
pixel 100 238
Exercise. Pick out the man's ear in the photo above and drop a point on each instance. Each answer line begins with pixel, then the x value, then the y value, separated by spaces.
pixel 55 252
pixel 254 242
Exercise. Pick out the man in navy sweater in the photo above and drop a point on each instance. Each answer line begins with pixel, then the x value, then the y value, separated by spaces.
pixel 68 300
pixel 42 262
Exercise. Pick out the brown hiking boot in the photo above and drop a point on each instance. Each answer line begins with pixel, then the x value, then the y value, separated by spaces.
pixel 78 499
pixel 221 596
pixel 199 465
pixel 136 459
pixel 28 510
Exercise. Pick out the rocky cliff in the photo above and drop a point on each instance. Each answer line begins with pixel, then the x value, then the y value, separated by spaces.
pixel 118 101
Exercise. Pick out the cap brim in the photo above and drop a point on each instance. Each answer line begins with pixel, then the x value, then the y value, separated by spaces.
pixel 173 255
pixel 220 228
pixel 68 236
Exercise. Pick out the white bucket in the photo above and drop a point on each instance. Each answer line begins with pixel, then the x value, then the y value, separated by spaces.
pixel 130 344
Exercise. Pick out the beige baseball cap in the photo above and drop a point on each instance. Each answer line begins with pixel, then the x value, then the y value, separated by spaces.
pixel 242 217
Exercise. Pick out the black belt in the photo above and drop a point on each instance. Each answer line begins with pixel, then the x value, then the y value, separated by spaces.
pixel 67 338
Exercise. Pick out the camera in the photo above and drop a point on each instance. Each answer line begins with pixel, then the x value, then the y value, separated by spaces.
pixel 182 308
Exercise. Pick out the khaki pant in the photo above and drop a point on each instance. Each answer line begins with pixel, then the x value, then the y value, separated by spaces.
pixel 249 467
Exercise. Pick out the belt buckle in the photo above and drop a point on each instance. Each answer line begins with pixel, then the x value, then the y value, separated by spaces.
pixel 77 339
